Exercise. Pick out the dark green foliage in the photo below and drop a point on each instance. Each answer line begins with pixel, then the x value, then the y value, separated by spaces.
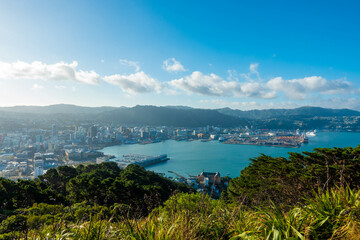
pixel 167 116
pixel 21 194
pixel 104 184
pixel 301 112
pixel 7 194
pixel 288 181
pixel 313 195
pixel 268 179
pixel 14 223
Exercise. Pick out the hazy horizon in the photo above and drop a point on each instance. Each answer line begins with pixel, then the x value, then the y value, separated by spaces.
pixel 165 106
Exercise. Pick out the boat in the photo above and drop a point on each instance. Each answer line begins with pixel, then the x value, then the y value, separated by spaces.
pixel 311 133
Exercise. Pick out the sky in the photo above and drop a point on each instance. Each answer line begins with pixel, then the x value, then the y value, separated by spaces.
pixel 203 54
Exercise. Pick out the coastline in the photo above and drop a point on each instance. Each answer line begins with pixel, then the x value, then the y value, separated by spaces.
pixel 104 145
pixel 264 145
pixel 194 156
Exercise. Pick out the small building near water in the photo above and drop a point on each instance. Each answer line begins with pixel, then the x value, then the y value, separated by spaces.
pixel 208 178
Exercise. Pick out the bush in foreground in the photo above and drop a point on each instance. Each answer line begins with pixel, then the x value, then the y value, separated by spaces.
pixel 334 214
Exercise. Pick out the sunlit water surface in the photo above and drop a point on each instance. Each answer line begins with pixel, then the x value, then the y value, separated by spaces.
pixel 191 157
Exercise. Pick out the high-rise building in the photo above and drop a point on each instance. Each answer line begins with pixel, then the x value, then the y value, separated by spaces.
pixel 144 134
pixel 38 168
pixel 93 131
pixel 54 133
pixel 39 138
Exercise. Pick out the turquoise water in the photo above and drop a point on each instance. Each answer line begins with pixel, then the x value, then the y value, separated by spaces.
pixel 195 156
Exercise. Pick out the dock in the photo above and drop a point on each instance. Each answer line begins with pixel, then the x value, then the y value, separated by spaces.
pixel 142 160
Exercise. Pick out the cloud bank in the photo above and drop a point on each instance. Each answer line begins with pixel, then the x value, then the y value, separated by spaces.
pixel 213 85
pixel 138 82
pixel 293 89
pixel 244 86
pixel 40 71
pixel 299 89
pixel 130 64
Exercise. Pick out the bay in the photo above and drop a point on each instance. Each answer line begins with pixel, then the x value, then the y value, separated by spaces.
pixel 191 157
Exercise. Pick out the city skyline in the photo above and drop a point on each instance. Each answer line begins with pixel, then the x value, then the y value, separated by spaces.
pixel 254 55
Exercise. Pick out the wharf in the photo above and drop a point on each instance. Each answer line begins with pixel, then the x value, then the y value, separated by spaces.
pixel 142 160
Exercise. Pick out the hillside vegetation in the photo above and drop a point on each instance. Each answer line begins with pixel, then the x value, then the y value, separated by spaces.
pixel 138 115
pixel 314 195
pixel 180 116
pixel 301 112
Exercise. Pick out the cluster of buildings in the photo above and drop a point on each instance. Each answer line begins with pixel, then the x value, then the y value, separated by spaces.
pixel 269 138
pixel 210 183
pixel 30 150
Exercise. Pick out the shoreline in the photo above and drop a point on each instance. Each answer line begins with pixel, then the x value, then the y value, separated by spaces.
pixel 102 146
pixel 265 145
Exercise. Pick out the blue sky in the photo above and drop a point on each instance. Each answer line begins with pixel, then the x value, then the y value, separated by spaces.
pixel 206 54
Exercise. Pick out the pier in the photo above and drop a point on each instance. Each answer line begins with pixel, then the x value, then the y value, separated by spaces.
pixel 142 160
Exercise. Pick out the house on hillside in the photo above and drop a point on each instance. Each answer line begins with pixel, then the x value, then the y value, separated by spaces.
pixel 208 178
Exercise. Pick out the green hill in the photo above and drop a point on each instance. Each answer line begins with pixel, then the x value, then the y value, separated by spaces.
pixel 302 112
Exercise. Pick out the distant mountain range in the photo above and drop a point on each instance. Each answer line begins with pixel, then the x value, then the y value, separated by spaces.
pixel 177 116
pixel 139 115
pixel 298 112
pixel 168 116
pixel 57 108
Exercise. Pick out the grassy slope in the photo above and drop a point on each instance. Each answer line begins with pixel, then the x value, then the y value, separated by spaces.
pixel 334 214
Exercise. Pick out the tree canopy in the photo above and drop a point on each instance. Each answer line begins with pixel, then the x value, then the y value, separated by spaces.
pixel 288 181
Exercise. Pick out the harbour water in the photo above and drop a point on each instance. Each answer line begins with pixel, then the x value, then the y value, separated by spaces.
pixel 191 157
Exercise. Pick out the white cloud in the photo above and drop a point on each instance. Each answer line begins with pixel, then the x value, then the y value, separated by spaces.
pixel 172 65
pixel 339 102
pixel 339 86
pixel 138 82
pixel 254 68
pixel 37 87
pixel 197 82
pixel 256 90
pixel 213 85
pixel 40 71
pixel 294 89
pixel 130 64
pixel 232 75
pixel 298 89
pixel 311 90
